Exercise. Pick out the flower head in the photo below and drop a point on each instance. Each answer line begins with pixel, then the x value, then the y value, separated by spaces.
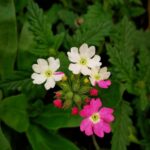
pixel 83 60
pixel 45 71
pixel 97 118
pixel 98 76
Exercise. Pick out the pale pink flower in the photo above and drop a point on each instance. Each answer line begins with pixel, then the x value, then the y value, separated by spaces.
pixel 57 103
pixel 75 111
pixel 93 92
pixel 97 118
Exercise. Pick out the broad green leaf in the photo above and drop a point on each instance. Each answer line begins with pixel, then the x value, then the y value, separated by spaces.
pixel 26 44
pixel 40 138
pixel 4 144
pixel 13 112
pixel 54 118
pixel 121 127
pixel 8 37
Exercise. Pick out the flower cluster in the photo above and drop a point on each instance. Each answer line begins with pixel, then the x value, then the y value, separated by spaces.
pixel 85 61
pixel 77 91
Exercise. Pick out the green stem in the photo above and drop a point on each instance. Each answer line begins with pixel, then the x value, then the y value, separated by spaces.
pixel 95 143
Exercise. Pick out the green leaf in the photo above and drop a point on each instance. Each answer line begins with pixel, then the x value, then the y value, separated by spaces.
pixel 121 127
pixel 54 118
pixel 13 112
pixel 8 37
pixel 26 44
pixel 64 63
pixel 68 17
pixel 121 51
pixel 40 138
pixel 4 144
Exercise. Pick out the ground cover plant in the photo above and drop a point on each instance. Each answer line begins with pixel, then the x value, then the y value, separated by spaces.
pixel 74 75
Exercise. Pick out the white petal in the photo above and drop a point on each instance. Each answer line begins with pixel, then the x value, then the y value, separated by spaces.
pixel 84 51
pixel 43 64
pixel 91 51
pixel 38 78
pixel 103 70
pixel 85 70
pixel 58 77
pixel 92 81
pixel 73 55
pixel 75 68
pixel 50 83
pixel 53 64
pixel 36 68
pixel 105 75
pixel 94 62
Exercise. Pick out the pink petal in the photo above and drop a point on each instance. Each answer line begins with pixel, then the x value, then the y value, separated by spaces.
pixel 98 129
pixel 106 127
pixel 95 104
pixel 86 125
pixel 86 111
pixel 106 114
pixel 104 84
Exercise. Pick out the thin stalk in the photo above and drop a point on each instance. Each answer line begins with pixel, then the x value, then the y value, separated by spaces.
pixel 95 143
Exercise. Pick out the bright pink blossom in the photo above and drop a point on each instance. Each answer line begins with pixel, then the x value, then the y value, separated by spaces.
pixel 104 83
pixel 93 92
pixel 57 103
pixel 97 118
pixel 75 111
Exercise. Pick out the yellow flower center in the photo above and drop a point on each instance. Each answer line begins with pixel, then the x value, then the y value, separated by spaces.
pixel 48 73
pixel 95 118
pixel 97 77
pixel 83 61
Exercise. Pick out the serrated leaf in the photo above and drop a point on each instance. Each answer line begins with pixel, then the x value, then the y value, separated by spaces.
pixel 4 144
pixel 40 138
pixel 54 118
pixel 8 37
pixel 13 112
pixel 121 127
pixel 121 51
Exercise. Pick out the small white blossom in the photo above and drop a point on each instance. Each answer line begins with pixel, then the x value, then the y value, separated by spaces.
pixel 98 74
pixel 45 71
pixel 83 60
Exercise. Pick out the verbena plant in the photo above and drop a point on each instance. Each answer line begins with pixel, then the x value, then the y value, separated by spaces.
pixel 48 82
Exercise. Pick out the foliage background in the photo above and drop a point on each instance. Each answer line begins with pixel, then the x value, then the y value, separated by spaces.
pixel 29 30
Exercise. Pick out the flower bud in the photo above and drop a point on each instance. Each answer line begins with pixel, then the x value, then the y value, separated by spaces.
pixel 76 86
pixel 74 111
pixel 64 78
pixel 84 89
pixel 87 100
pixel 86 80
pixel 93 92
pixel 57 103
pixel 67 104
pixel 77 100
pixel 58 94
pixel 69 95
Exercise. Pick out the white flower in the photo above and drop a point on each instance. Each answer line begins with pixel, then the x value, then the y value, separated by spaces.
pixel 45 71
pixel 97 74
pixel 83 60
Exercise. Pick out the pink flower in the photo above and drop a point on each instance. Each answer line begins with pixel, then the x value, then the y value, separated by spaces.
pixel 104 84
pixel 97 118
pixel 93 92
pixel 57 103
pixel 75 111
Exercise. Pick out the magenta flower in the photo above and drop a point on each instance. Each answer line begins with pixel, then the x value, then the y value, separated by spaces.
pixel 104 84
pixel 97 118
